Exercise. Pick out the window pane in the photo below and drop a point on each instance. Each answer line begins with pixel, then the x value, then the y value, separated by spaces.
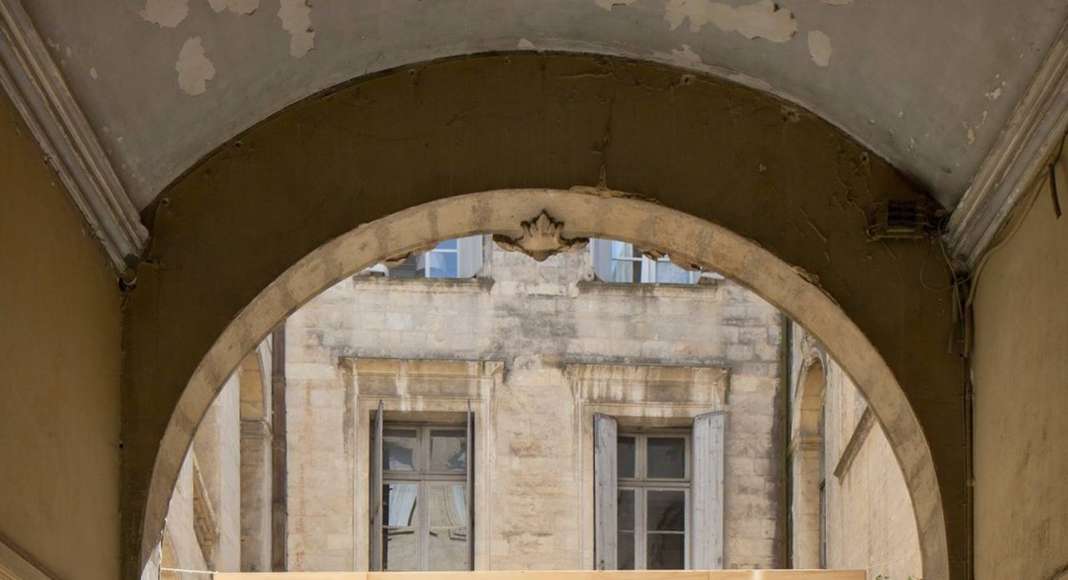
pixel 448 451
pixel 398 504
pixel 622 265
pixel 448 505
pixel 442 264
pixel 666 552
pixel 625 449
pixel 448 549
pixel 667 458
pixel 666 510
pixel 448 244
pixel 625 510
pixel 398 449
pixel 400 549
pixel 669 273
pixel 625 551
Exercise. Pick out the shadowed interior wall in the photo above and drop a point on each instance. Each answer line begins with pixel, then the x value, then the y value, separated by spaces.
pixel 1021 395
pixel 718 151
pixel 59 372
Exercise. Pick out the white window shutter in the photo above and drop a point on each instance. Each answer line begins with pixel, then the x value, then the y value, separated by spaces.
pixel 709 432
pixel 604 491
pixel 375 494
pixel 469 261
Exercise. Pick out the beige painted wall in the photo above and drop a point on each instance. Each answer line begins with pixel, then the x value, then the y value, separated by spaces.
pixel 535 319
pixel 60 332
pixel 1020 372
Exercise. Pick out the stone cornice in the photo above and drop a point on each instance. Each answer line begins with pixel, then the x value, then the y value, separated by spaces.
pixel 1021 151
pixel 30 77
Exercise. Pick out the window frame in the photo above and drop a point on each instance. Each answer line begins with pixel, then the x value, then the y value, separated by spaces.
pixel 641 484
pixel 649 265
pixel 423 477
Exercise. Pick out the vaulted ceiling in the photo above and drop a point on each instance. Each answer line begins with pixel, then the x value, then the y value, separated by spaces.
pixel 926 84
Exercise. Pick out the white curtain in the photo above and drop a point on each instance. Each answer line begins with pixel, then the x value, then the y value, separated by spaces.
pixel 401 504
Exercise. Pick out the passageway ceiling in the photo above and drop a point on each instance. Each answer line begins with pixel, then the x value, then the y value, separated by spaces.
pixel 927 85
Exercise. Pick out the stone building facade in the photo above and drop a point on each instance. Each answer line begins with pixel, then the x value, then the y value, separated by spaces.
pixel 220 512
pixel 850 507
pixel 536 349
pixel 449 411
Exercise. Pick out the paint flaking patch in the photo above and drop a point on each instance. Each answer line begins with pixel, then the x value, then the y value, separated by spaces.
pixel 166 13
pixel 243 7
pixel 764 19
pixel 194 68
pixel 819 46
pixel 609 4
pixel 296 20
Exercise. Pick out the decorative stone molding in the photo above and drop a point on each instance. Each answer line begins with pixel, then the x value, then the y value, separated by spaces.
pixel 38 91
pixel 856 441
pixel 541 239
pixel 1033 132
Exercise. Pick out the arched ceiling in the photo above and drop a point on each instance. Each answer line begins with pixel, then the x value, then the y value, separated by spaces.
pixel 925 84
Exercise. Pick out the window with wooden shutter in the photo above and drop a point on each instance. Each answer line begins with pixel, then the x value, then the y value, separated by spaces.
pixel 709 432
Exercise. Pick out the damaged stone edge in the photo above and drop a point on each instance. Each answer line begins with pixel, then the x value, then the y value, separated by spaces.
pixel 1020 154
pixel 36 87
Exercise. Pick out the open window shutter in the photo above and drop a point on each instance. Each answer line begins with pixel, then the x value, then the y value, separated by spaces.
pixel 375 469
pixel 708 466
pixel 469 261
pixel 604 491
pixel 470 489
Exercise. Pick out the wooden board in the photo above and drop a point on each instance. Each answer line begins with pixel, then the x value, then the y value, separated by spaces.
pixel 559 575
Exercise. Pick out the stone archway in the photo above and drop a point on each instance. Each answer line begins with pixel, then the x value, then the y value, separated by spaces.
pixel 807 464
pixel 574 214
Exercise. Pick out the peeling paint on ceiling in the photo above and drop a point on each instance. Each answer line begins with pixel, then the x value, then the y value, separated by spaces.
pixel 987 53
pixel 296 20
pixel 609 4
pixel 819 46
pixel 194 68
pixel 763 19
pixel 244 7
pixel 166 13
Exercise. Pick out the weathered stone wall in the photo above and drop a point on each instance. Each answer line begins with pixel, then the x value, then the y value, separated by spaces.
pixel 256 459
pixel 535 318
pixel 869 521
pixel 216 453
pixel 1020 369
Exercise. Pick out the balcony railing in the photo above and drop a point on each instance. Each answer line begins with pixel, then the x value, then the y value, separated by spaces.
pixel 559 575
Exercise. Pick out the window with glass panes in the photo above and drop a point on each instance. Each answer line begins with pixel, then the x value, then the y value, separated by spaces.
pixel 622 262
pixel 653 500
pixel 424 497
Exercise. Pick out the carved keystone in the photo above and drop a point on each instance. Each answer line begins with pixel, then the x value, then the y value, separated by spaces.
pixel 541 239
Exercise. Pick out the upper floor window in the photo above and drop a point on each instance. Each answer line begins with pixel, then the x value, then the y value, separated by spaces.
pixel 455 258
pixel 616 261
